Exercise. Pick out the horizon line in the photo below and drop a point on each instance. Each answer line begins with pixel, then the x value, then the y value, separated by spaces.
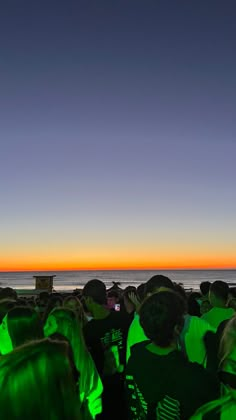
pixel 121 269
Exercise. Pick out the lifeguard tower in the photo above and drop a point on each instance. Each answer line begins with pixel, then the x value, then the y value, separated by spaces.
pixel 44 283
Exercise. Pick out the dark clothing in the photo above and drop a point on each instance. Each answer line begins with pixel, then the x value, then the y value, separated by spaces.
pixel 101 335
pixel 212 343
pixel 166 387
pixel 106 340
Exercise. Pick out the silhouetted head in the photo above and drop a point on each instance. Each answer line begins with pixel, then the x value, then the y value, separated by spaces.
pixel 218 294
pixel 162 317
pixel 141 291
pixel 157 282
pixel 205 287
pixel 73 302
pixel 178 288
pixel 95 291
pixel 55 301
pixel 5 306
pixel 194 301
pixel 19 326
pixel 64 321
pixel 8 293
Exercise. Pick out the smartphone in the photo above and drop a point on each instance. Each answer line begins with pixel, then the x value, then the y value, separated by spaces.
pixel 117 307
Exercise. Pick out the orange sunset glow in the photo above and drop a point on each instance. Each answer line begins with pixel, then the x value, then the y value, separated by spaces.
pixel 103 260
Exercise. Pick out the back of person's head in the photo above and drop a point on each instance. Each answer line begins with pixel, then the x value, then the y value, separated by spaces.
pixel 194 304
pixel 129 289
pixel 96 290
pixel 23 325
pixel 73 302
pixel 219 291
pixel 44 297
pixel 36 380
pixel 232 298
pixel 141 291
pixel 157 282
pixel 205 287
pixel 65 322
pixel 128 295
pixel 54 301
pixel 8 293
pixel 162 317
pixel 5 306
pixel 178 288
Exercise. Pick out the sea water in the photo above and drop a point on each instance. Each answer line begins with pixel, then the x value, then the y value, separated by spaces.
pixel 70 280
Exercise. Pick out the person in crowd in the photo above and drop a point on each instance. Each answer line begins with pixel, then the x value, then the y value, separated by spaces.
pixel 194 304
pixel 224 408
pixel 105 335
pixel 54 301
pixel 141 292
pixel 41 302
pixel 136 333
pixel 73 302
pixel 64 321
pixel 205 288
pixel 128 302
pixel 191 339
pixel 19 326
pixel 8 293
pixel 5 306
pixel 113 298
pixel 232 298
pixel 218 296
pixel 205 305
pixel 160 382
pixel 36 381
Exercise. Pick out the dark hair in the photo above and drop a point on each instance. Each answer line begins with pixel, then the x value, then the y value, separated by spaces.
pixel 193 305
pixel 159 314
pixel 96 289
pixel 178 288
pixel 5 306
pixel 128 290
pixel 113 294
pixel 232 291
pixel 36 381
pixel 220 289
pixel 141 291
pixel 52 304
pixel 44 297
pixel 23 325
pixel 205 287
pixel 158 281
pixel 8 293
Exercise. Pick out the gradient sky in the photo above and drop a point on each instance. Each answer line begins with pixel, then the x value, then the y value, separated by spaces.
pixel 118 134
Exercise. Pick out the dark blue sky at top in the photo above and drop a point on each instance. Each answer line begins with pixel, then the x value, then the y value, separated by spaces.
pixel 119 107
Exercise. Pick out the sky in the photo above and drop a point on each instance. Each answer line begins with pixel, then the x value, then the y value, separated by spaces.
pixel 117 134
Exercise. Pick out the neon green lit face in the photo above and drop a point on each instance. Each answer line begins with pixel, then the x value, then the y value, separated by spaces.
pixel 5 339
pixel 51 326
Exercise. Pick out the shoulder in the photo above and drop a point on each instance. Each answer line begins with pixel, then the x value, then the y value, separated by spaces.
pixel 201 324
pixel 138 350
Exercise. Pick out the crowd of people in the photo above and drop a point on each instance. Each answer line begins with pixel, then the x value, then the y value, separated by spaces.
pixel 151 352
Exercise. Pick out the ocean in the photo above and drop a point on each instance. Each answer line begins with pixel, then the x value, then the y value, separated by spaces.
pixel 70 280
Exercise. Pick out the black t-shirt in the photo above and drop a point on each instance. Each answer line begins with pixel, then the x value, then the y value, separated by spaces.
pixel 166 387
pixel 106 341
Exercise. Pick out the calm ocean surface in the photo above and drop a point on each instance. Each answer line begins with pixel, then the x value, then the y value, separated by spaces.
pixel 69 280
